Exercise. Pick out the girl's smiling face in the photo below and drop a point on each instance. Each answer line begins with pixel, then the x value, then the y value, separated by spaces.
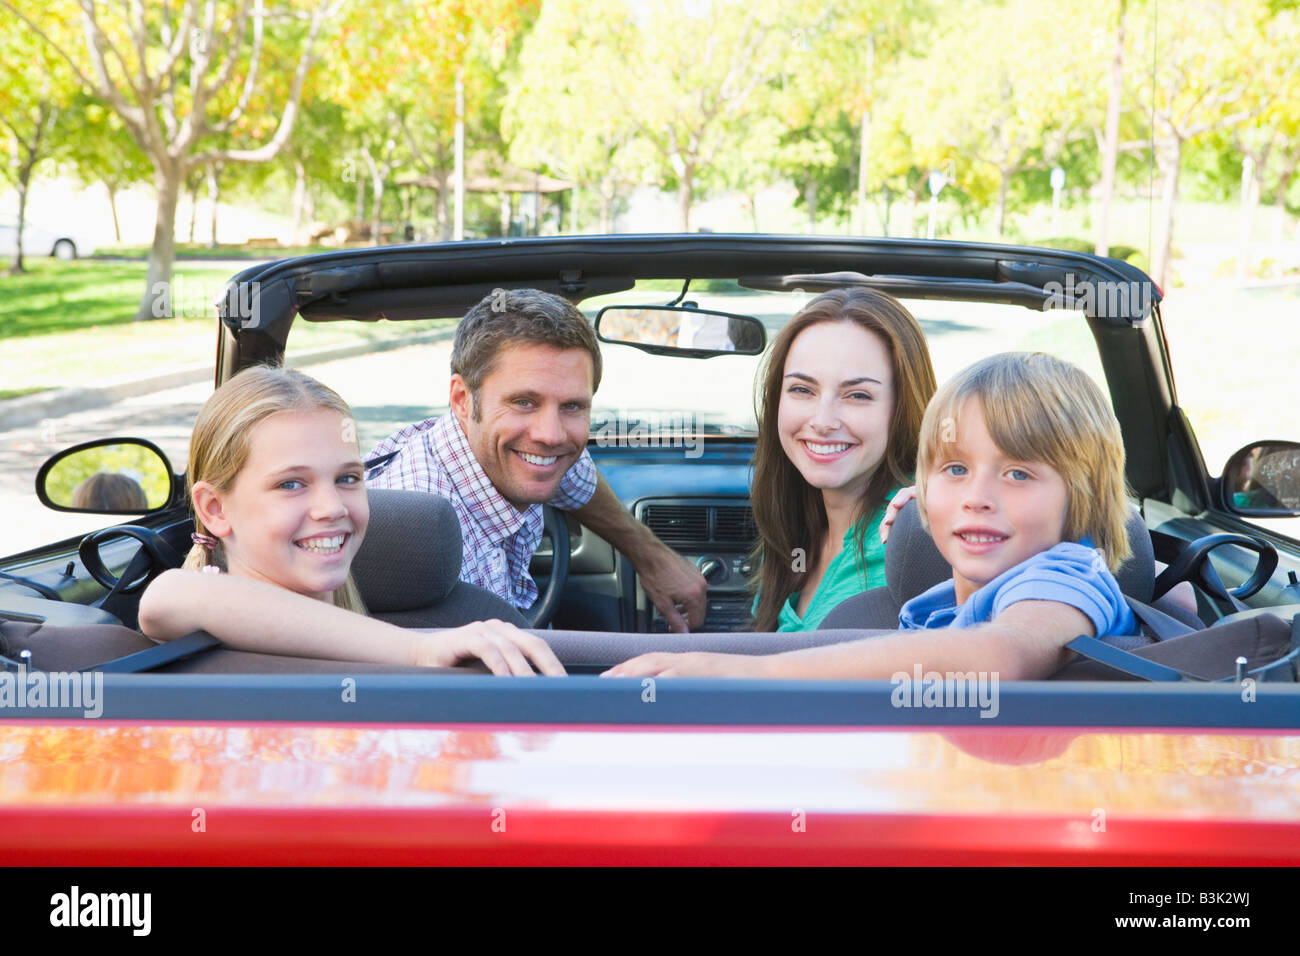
pixel 837 401
pixel 297 511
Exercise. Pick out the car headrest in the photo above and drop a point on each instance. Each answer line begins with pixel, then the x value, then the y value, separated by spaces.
pixel 913 564
pixel 410 557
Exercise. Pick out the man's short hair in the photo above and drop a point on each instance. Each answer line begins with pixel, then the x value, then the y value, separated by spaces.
pixel 510 316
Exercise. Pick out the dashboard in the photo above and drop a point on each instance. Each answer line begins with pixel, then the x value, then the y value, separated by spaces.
pixel 698 506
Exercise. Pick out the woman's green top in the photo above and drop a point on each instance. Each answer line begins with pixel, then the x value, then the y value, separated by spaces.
pixel 845 576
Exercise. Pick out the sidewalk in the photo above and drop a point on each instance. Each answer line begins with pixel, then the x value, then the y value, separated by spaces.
pixel 33 409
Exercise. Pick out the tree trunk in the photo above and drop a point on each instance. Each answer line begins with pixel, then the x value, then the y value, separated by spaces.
pixel 360 215
pixel 112 205
pixel 1169 159
pixel 444 213
pixel 299 198
pixel 810 201
pixel 1283 183
pixel 685 195
pixel 156 303
pixel 214 194
pixel 194 207
pixel 24 174
pixel 606 210
pixel 753 211
pixel 376 203
pixel 1000 216
pixel 1110 145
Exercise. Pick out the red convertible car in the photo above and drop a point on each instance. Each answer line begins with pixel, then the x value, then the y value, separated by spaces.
pixel 228 757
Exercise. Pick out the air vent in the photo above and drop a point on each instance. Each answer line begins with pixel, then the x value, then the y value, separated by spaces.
pixel 735 524
pixel 677 524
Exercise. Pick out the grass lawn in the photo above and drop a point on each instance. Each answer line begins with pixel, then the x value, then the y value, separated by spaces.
pixel 72 322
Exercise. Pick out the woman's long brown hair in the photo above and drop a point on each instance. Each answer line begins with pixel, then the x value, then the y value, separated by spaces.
pixel 789 512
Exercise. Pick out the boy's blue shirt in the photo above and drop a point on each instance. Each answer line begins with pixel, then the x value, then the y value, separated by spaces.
pixel 1073 574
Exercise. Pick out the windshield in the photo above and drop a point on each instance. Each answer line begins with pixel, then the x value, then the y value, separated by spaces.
pixel 409 381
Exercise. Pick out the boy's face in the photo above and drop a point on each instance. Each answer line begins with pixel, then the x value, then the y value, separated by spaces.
pixel 987 511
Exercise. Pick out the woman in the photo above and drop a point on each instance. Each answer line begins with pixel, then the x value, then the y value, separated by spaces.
pixel 841 400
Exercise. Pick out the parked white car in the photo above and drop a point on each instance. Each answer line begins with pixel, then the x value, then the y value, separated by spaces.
pixel 39 241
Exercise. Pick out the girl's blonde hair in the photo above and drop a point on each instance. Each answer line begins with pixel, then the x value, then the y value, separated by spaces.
pixel 1040 408
pixel 220 445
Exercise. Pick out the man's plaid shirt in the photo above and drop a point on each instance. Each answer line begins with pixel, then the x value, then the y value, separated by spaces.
pixel 498 541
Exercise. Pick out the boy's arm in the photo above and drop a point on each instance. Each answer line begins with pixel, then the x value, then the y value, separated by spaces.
pixel 250 615
pixel 1025 642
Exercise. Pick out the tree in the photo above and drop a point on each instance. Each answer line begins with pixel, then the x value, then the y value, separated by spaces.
pixel 176 81
pixel 1213 73
pixel 402 98
pixel 101 150
pixel 1013 108
pixel 575 63
pixel 30 104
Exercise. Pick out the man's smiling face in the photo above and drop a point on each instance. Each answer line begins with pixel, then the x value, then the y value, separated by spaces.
pixel 531 418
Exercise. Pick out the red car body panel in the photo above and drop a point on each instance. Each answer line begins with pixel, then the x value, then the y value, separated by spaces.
pixel 88 793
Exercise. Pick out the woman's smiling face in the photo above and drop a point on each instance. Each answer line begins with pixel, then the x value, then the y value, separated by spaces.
pixel 837 400
pixel 297 511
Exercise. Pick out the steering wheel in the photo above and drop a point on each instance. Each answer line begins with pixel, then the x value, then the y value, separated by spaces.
pixel 161 556
pixel 1191 565
pixel 557 529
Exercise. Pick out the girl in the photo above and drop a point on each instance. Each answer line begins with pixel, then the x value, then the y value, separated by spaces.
pixel 275 480
pixel 842 396
pixel 1020 480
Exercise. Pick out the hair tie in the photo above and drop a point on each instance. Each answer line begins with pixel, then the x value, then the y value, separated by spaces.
pixel 204 540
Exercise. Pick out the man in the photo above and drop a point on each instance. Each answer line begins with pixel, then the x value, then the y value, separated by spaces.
pixel 525 365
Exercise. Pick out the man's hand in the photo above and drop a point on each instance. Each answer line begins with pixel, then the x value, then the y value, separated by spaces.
pixel 675 586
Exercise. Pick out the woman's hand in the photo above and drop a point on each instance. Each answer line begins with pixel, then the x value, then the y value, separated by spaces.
pixel 694 664
pixel 893 508
pixel 504 648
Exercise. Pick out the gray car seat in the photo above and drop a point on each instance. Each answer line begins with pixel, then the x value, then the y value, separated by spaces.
pixel 408 567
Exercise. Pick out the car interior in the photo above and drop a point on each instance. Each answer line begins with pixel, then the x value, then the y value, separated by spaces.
pixel 71 605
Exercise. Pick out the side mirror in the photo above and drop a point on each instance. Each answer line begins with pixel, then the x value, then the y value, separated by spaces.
pixel 680 330
pixel 110 476
pixel 1263 480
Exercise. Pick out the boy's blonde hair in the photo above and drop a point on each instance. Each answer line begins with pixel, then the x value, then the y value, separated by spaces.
pixel 1040 408
pixel 220 444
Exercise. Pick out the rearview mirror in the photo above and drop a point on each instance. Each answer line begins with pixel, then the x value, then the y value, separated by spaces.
pixel 110 476
pixel 680 330
pixel 1263 480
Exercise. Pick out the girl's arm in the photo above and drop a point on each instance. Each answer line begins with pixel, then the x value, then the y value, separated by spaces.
pixel 250 615
pixel 1024 642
